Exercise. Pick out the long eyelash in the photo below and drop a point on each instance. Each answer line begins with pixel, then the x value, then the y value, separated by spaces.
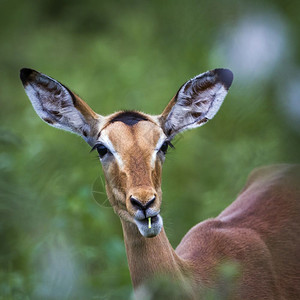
pixel 170 144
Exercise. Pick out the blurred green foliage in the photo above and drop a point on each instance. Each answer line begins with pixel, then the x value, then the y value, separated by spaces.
pixel 57 242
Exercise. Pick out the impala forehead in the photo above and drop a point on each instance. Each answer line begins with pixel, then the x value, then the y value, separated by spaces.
pixel 144 134
pixel 122 140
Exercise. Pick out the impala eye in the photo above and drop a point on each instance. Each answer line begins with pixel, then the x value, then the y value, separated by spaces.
pixel 164 147
pixel 101 149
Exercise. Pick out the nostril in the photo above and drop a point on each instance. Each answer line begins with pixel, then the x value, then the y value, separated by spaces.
pixel 136 203
pixel 139 205
pixel 150 202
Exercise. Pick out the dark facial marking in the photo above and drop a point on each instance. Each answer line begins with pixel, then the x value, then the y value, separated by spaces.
pixel 129 118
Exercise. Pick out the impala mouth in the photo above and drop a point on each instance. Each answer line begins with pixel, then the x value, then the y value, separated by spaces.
pixel 149 227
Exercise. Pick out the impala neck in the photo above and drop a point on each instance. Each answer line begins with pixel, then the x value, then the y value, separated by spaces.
pixel 151 256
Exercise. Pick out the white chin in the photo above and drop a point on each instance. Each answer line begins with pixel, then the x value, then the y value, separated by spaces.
pixel 156 226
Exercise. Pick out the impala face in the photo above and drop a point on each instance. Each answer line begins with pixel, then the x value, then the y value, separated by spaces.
pixel 131 145
pixel 132 148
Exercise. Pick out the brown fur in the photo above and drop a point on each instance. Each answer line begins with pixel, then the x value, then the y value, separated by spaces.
pixel 133 144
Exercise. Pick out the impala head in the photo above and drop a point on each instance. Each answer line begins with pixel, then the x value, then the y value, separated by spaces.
pixel 131 145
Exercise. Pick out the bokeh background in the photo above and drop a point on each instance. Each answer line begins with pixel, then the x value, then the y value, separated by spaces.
pixel 59 237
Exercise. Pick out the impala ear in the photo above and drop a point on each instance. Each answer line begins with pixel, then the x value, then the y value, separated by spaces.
pixel 57 105
pixel 196 102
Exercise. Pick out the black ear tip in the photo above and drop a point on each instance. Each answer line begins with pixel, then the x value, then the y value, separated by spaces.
pixel 24 74
pixel 225 76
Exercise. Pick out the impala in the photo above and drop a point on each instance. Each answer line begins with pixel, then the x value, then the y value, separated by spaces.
pixel 259 231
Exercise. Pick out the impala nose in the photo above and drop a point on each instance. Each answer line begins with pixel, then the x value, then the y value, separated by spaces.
pixel 136 203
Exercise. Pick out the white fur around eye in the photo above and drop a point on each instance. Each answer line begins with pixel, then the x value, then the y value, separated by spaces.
pixel 156 149
pixel 106 141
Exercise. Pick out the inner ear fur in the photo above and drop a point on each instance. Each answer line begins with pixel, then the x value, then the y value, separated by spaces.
pixel 196 102
pixel 57 105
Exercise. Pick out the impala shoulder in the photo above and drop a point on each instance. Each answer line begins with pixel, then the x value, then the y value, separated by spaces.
pixel 237 255
pixel 279 175
pixel 218 239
